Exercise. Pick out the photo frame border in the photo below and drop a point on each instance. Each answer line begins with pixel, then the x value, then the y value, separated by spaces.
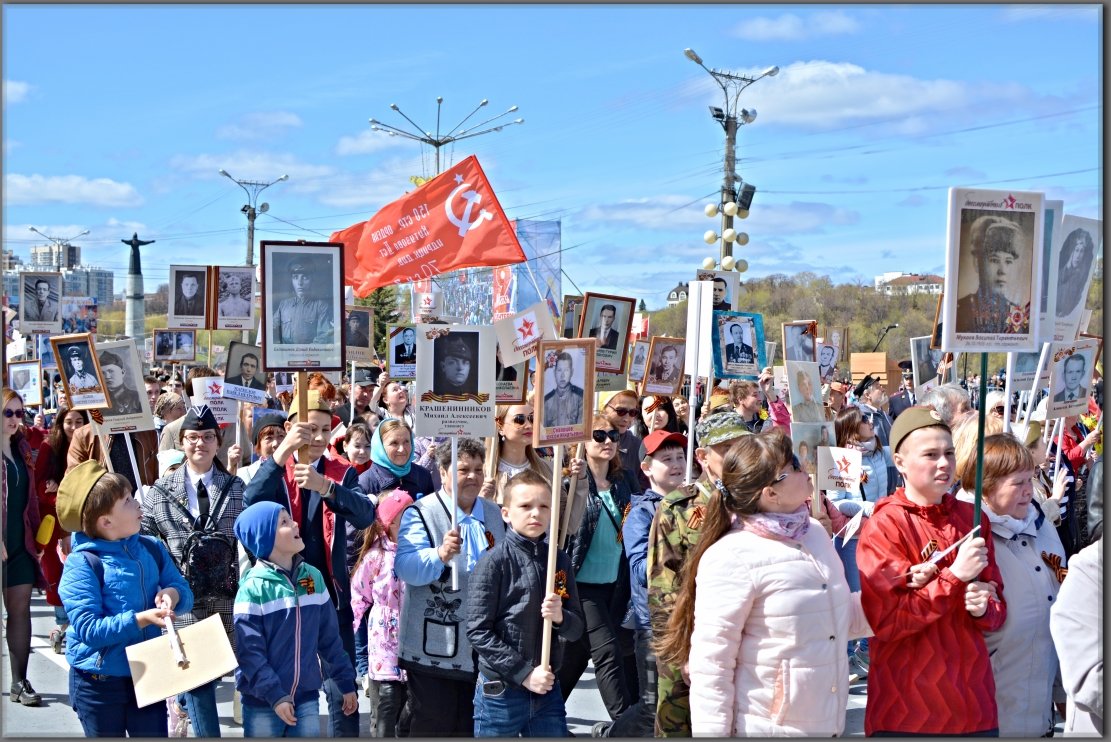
pixel 760 353
pixel 136 421
pixel 675 389
pixel 646 342
pixel 90 346
pixel 235 323
pixel 36 326
pixel 565 312
pixel 389 350
pixel 589 346
pixel 190 323
pixel 843 346
pixel 36 364
pixel 804 323
pixel 622 353
pixel 360 355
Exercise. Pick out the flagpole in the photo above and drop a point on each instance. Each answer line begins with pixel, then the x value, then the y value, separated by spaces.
pixel 1007 392
pixel 455 505
pixel 553 553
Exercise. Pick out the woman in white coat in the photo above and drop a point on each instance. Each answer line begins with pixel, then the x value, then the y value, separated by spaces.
pixel 763 624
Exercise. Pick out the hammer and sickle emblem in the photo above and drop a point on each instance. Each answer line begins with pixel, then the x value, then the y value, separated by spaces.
pixel 471 197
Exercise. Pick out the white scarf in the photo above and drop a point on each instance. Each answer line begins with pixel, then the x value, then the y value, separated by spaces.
pixel 1009 527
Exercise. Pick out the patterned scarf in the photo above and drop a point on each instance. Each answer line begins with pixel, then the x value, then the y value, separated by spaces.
pixel 779 526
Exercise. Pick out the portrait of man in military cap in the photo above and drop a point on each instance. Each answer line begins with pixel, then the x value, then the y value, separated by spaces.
pixel 122 390
pixel 455 359
pixel 84 386
pixel 304 317
pixel 302 306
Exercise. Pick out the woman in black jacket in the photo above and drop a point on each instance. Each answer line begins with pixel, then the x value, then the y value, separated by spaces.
pixel 601 573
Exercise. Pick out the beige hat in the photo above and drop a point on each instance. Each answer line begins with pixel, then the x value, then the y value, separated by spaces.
pixel 910 420
pixel 74 490
pixel 315 403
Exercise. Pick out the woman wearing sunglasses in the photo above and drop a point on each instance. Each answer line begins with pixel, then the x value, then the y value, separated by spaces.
pixel 20 552
pixel 762 625
pixel 622 409
pixel 601 572
pixel 511 452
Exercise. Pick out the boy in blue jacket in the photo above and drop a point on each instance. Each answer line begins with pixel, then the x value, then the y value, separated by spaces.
pixel 117 588
pixel 283 620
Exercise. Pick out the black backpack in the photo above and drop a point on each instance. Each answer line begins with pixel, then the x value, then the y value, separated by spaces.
pixel 209 558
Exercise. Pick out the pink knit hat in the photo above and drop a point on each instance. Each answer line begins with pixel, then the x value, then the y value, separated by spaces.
pixel 391 505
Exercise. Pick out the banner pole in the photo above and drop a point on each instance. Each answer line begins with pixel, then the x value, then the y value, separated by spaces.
pixel 455 505
pixel 553 551
pixel 572 488
pixel 1042 359
pixel 1007 393
pixel 134 464
pixel 302 382
pixel 982 417
pixel 351 396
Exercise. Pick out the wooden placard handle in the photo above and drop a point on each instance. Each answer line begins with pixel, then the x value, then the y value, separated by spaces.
pixel 302 382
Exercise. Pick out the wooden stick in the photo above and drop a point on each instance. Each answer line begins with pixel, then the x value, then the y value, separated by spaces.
pixel 1007 392
pixel 103 444
pixel 573 486
pixel 553 550
pixel 131 454
pixel 455 506
pixel 1060 444
pixel 980 439
pixel 351 397
pixel 302 382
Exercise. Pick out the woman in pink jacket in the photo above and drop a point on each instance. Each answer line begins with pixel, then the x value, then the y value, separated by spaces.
pixel 768 613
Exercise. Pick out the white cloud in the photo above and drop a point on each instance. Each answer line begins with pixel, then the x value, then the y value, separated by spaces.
pixel 1020 13
pixel 387 182
pixel 68 189
pixel 251 165
pixel 260 125
pixel 662 213
pixel 790 27
pixel 15 91
pixel 366 142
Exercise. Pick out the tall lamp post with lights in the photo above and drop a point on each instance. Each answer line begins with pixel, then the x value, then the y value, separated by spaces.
pixel 731 119
pixel 61 243
pixel 252 188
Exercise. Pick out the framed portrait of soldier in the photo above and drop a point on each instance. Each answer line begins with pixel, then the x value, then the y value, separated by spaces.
pixel 188 297
pixel 805 389
pixel 40 302
pixel 129 408
pixel 725 288
pixel 738 342
pixel 25 378
pixel 608 319
pixel 992 266
pixel 244 379
pixel 838 335
pixel 302 306
pixel 666 358
pixel 1070 379
pixel 359 337
pixel 510 381
pixel 78 363
pixel 800 341
pixel 234 295
pixel 569 316
pixel 564 398
pixel 401 352
pixel 455 391
pixel 1081 242
pixel 639 362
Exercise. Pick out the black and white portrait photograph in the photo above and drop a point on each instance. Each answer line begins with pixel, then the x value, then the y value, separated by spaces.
pixel 84 385
pixel 359 333
pixel 302 304
pixel 25 377
pixel 607 319
pixel 800 341
pixel 572 311
pixel 1070 378
pixel 806 438
pixel 1081 241
pixel 991 271
pixel 44 352
pixel 666 357
pixel 639 363
pixel 925 361
pixel 1054 213
pixel 805 392
pixel 401 352
pixel 455 391
pixel 827 361
pixel 187 297
pixel 129 407
pixel 738 345
pixel 725 288
pixel 511 381
pixel 244 379
pixel 564 397
pixel 174 345
pixel 838 335
pixel 235 295
pixel 40 301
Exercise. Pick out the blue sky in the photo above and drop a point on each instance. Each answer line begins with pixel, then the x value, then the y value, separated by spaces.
pixel 117 118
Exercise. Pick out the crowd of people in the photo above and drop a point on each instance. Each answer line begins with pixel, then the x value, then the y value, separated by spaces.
pixel 345 555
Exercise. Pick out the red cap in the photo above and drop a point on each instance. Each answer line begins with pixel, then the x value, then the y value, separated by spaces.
pixel 657 438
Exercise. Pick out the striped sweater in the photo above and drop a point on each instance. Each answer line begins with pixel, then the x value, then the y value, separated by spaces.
pixel 281 626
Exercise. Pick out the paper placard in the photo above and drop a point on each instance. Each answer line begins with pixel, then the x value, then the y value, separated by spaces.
pixel 700 310
pixel 520 335
pixel 455 389
pixel 210 389
pixel 839 469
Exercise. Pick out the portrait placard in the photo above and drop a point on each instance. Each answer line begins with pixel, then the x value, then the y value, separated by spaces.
pixel 828 355
pixel 40 296
pixel 401 352
pixel 992 266
pixel 210 390
pixel 806 393
pixel 302 306
pixel 806 438
pixel 233 288
pixel 839 468
pixel 608 319
pixel 564 395
pixel 925 362
pixel 44 352
pixel 639 363
pixel 129 409
pixel 935 339
pixel 25 378
pixel 188 296
pixel 511 382
pixel 520 334
pixel 79 314
pixel 569 316
pixel 800 341
pixel 1070 378
pixel 724 290
pixel 1025 366
pixel 666 357
pixel 455 391
pixel 699 352
pixel 838 335
pixel 244 380
pixel 779 379
pixel 283 382
pixel 769 351
pixel 604 382
pixel 84 386
pixel 175 345
pixel 739 345
pixel 1051 224
pixel 1075 253
pixel 359 338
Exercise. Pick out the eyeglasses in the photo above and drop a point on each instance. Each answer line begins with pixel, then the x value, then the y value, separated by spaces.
pixel 19 413
pixel 600 436
pixel 623 411
pixel 521 419
pixel 795 467
pixel 206 437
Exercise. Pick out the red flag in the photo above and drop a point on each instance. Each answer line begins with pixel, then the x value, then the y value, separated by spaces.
pixel 453 221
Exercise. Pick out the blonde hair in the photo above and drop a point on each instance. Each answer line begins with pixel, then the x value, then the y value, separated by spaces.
pixel 966 435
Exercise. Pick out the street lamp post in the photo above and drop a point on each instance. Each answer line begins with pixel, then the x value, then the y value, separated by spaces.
pixel 731 119
pixel 61 243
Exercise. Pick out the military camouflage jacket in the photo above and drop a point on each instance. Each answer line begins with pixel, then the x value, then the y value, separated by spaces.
pixel 673 534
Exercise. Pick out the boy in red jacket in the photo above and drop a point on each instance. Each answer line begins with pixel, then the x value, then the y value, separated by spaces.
pixel 930 672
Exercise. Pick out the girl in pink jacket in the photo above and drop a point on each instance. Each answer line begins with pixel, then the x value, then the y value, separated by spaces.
pixel 770 659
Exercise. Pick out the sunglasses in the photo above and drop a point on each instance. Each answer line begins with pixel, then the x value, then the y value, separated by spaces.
pixel 998 410
pixel 19 413
pixel 600 436
pixel 522 419
pixel 867 417
pixel 795 466
pixel 624 411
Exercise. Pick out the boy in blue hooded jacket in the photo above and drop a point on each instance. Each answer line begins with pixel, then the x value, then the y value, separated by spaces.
pixel 117 588
pixel 283 620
